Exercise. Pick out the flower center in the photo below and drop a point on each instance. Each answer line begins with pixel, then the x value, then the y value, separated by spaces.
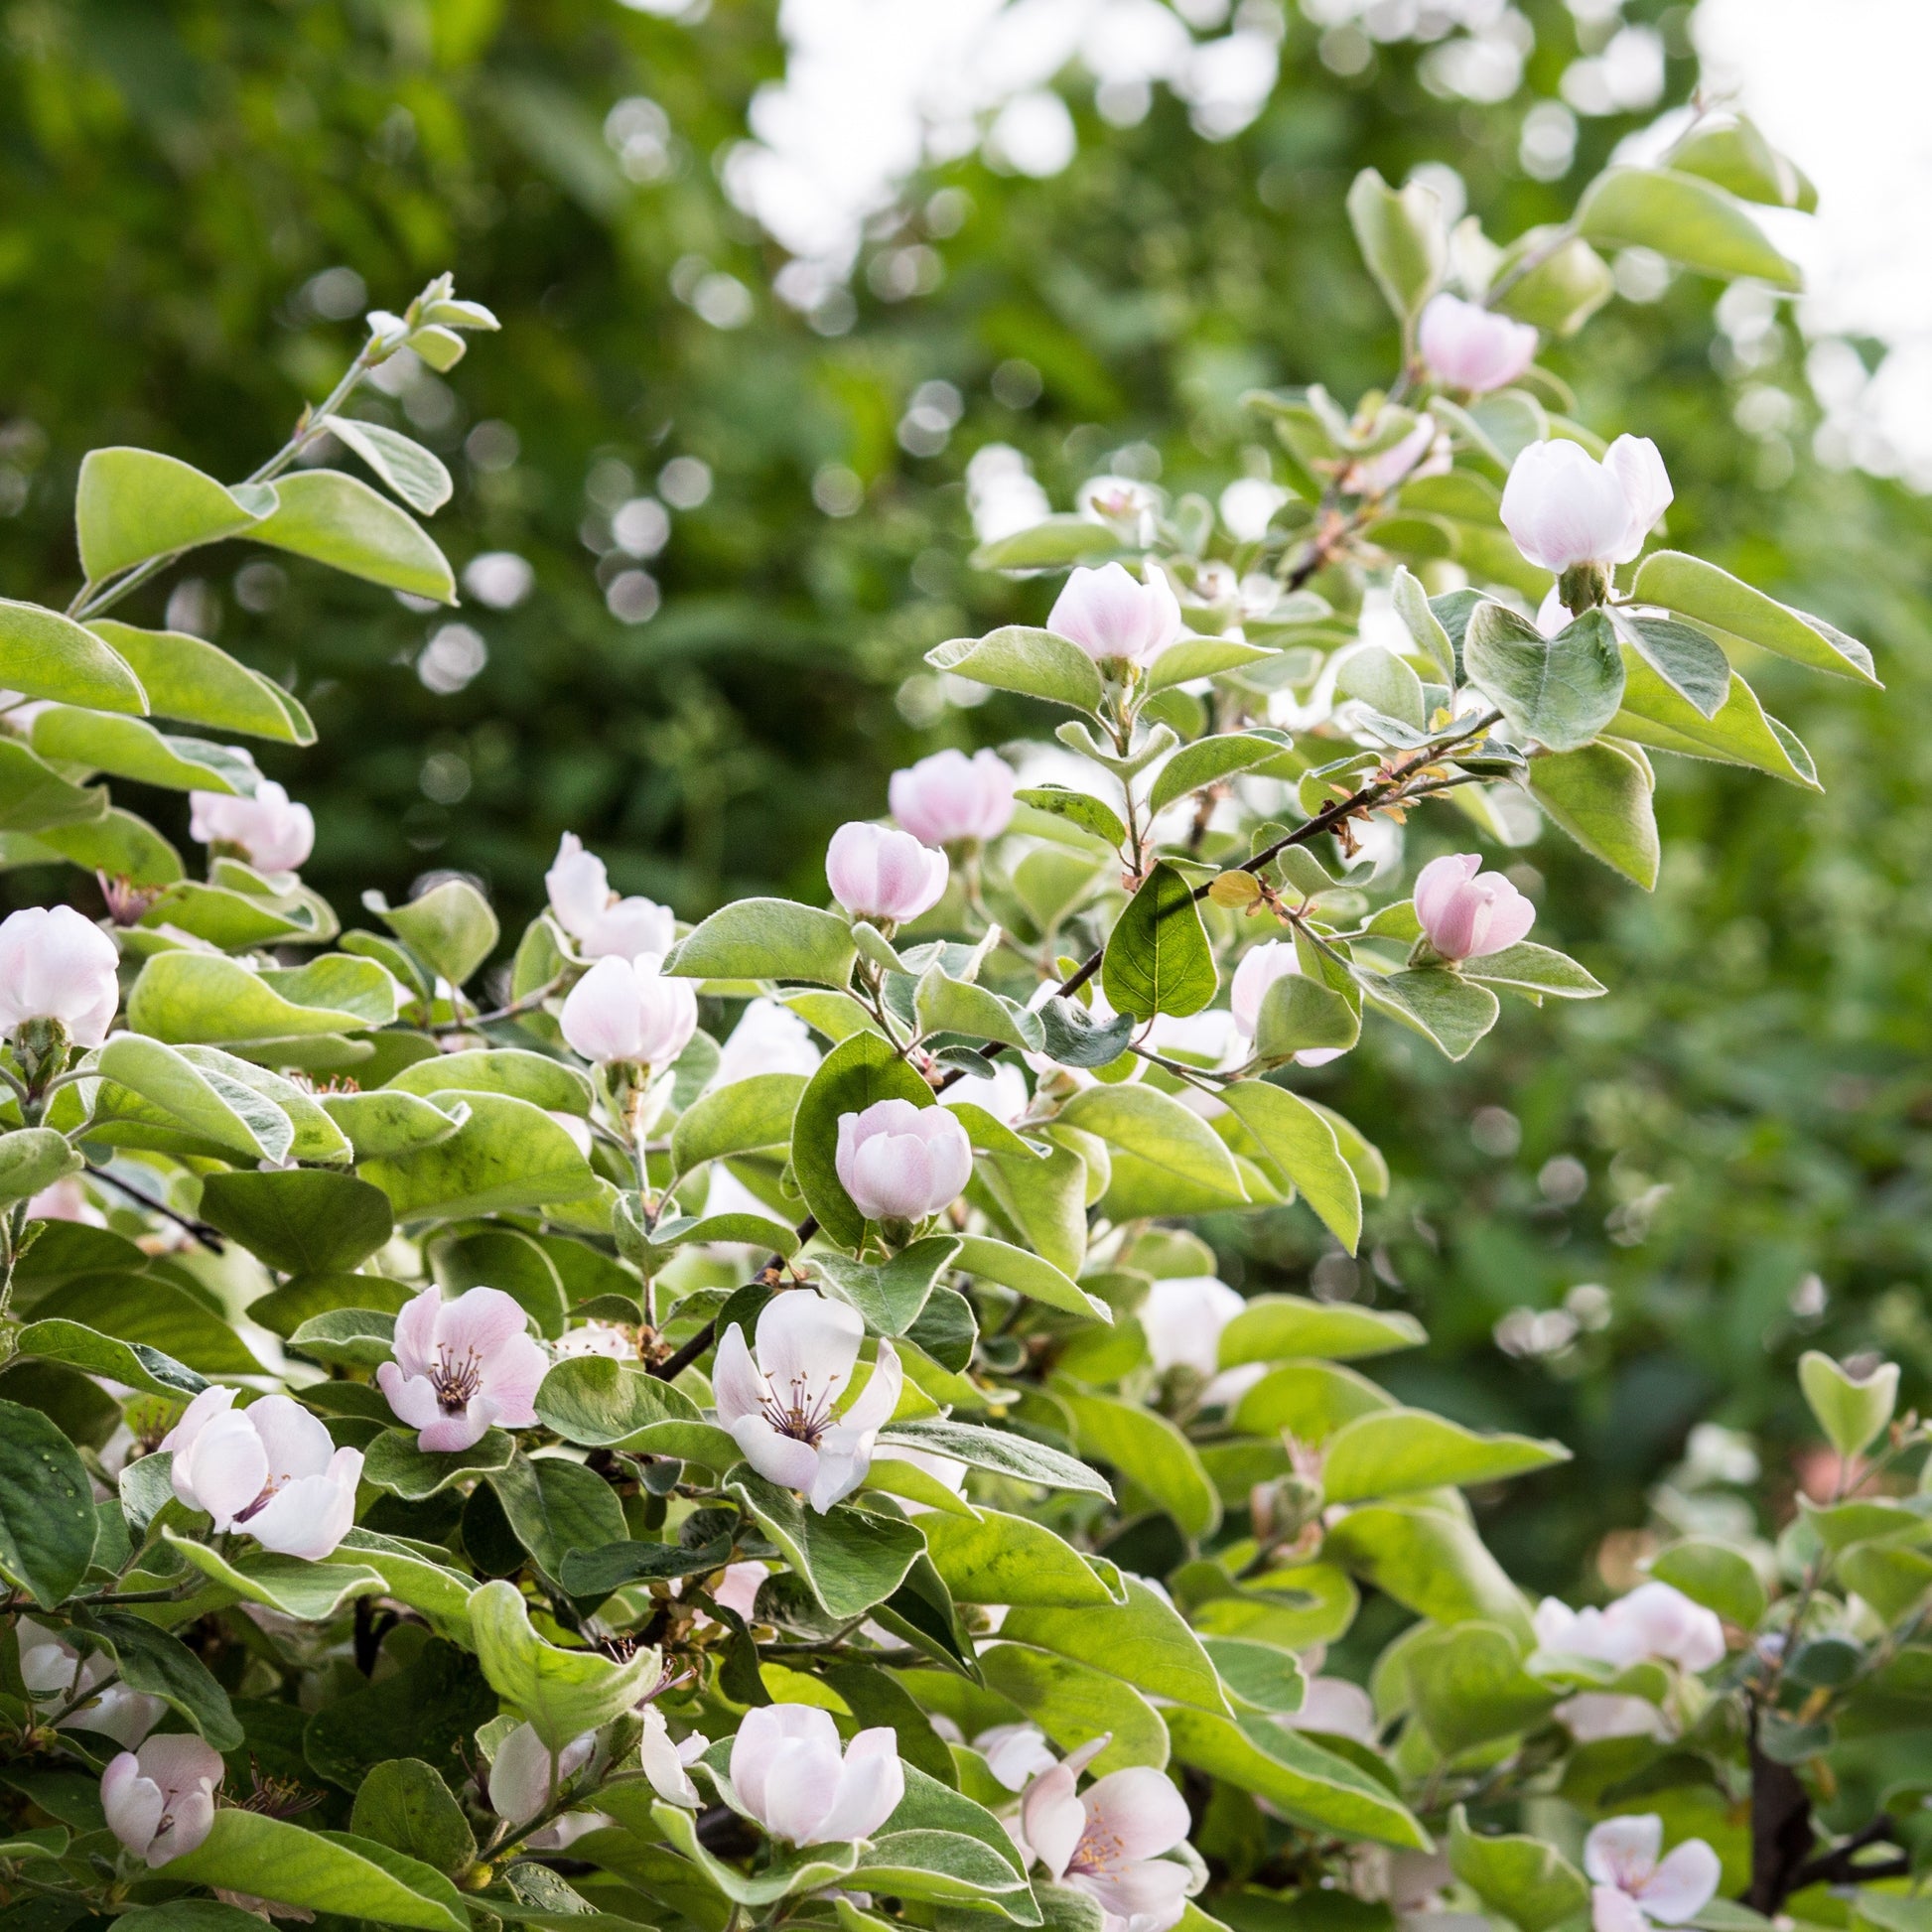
pixel 807 1416
pixel 455 1382
pixel 1099 1850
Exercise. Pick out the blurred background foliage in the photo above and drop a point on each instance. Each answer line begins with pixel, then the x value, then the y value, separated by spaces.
pixel 747 526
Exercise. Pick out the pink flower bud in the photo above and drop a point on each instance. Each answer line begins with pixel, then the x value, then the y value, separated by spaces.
pixel 1110 614
pixel 160 1800
pixel 273 834
pixel 1468 347
pixel 884 876
pixel 463 1367
pixel 604 925
pixel 627 1010
pixel 524 1776
pixel 1424 452
pixel 901 1162
pixel 55 965
pixel 950 797
pixel 1466 912
pixel 1563 508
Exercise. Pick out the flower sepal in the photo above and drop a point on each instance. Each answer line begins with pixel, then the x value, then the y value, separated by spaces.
pixel 1583 587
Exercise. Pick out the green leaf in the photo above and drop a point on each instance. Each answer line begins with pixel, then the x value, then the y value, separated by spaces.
pixel 1437 1002
pixel 803 1869
pixel 391 1122
pixel 1073 1703
pixel 1431 1561
pixel 201 997
pixel 1004 1452
pixel 187 1915
pixel 850 1559
pixel 1150 1452
pixel 1157 958
pixel 118 844
pixel 1052 543
pixel 766 939
pixel 393 1462
pixel 47 1508
pixel 130 748
pixel 313 1593
pixel 323 1871
pixel 45 655
pixel 1036 663
pixel 302 1221
pixel 1208 760
pixel 550 1084
pixel 1740 733
pixel 1078 808
pixel 944 1005
pixel 1685 221
pixel 159 1665
pixel 133 505
pixel 596 1402
pixel 1275 1327
pixel 1602 796
pixel 429 1709
pixel 1568 285
pixel 1166 1160
pixel 507 1155
pixel 33 1157
pixel 1425 627
pixel 1312 1400
pixel 890 1295
pixel 737 1119
pixel 404 1804
pixel 1029 1275
pixel 1403 237
pixel 1715 1575
pixel 1470 1687
pixel 145 1311
pixel 555 1506
pixel 1145 1641
pixel 1188 658
pixel 944 1868
pixel 1310 1786
pixel 1852 1410
pixel 1538 969
pixel 1713 597
pixel 852 1077
pixel 187 678
pixel 412 471
pixel 1257 1676
pixel 1683 656
pixel 561 1693
pixel 1561 691
pixel 1045 1200
pixel 1892 1579
pixel 1731 152
pixel 341 522
pixel 1399 1450
pixel 1380 679
pixel 1302 1143
pixel 55 1340
pixel 1528 1881
pixel 34 797
pixel 1013 1560
pixel 440 1594
pixel 450 928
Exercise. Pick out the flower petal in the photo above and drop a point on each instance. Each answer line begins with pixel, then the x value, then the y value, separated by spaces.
pixel 1138 1811
pixel 1611 1910
pixel 872 1781
pixel 410 1396
pixel 296 1441
pixel 736 1384
pixel 1623 1851
pixel 1682 1885
pixel 806 1346
pixel 782 1460
pixel 1052 1818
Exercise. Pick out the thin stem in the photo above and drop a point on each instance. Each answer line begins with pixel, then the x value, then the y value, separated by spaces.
pixel 535 998
pixel 209 1237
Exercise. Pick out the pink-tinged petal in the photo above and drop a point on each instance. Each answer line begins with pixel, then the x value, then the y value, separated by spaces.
pixel 191 1816
pixel 1052 1818
pixel 843 1463
pixel 511 1378
pixel 1592 1716
pixel 871 1784
pixel 309 1516
pixel 1623 1852
pixel 1147 1897
pixel 1611 1910
pixel 1015 1753
pixel 782 1460
pixel 799 1787
pixel 132 1802
pixel 873 1409
pixel 1672 1626
pixel 479 1323
pixel 808 1345
pixel 459 1431
pixel 296 1443
pixel 762 1731
pixel 411 1397
pixel 1441 882
pixel 736 1384
pixel 1182 1319
pixel 738 1588
pixel 661 1764
pixel 1682 1885
pixel 415 1337
pixel 1637 466
pixel 120 1713
pixel 520 1775
pixel 1511 918
pixel 212 1402
pixel 578 886
pixel 228 1468
pixel 1140 1811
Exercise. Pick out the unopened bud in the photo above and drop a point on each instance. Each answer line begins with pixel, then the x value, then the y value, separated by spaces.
pixel 1236 890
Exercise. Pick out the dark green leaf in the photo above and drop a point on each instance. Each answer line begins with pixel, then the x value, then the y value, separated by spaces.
pixel 1157 958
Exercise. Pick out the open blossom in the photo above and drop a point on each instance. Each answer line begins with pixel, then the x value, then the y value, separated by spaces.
pixel 160 1800
pixel 55 1673
pixel 901 1162
pixel 463 1367
pixel 1467 912
pixel 781 1408
pixel 949 797
pixel 627 1010
pixel 1125 504
pixel 270 1469
pixel 1108 1841
pixel 606 1338
pixel 272 832
pixel 55 965
pixel 1111 614
pixel 604 925
pixel 664 1762
pixel 788 1774
pixel 1653 1621
pixel 1467 346
pixel 1261 966
pixel 1015 1753
pixel 884 876
pixel 1424 452
pixel 1563 508
pixel 768 1039
pixel 1182 1319
pixel 525 1775
pixel 1632 1890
